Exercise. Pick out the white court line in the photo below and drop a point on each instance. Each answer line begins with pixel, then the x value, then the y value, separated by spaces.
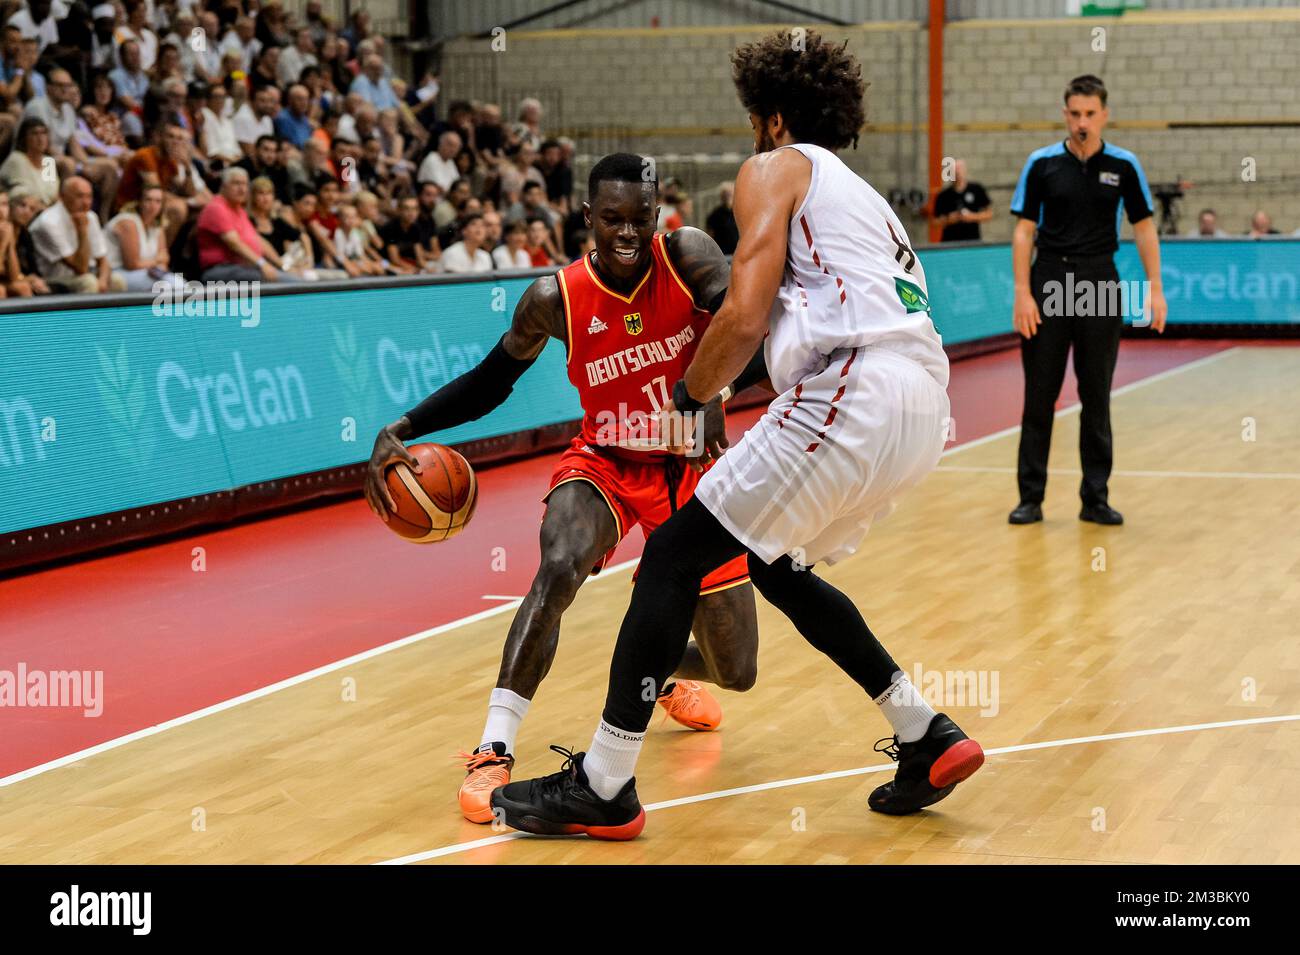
pixel 843 773
pixel 276 687
pixel 1242 475
pixel 1122 390
pixel 464 621
pixel 515 597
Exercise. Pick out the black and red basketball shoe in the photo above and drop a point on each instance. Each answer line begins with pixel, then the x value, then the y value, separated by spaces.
pixel 928 770
pixel 564 804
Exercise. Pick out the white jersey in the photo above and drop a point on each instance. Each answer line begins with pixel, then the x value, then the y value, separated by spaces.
pixel 851 279
pixel 862 409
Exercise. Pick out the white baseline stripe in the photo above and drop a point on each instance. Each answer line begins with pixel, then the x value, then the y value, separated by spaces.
pixel 1240 475
pixel 843 773
pixel 464 621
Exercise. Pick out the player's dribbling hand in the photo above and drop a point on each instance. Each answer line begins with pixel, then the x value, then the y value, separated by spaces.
pixel 675 430
pixel 1025 317
pixel 389 450
pixel 713 435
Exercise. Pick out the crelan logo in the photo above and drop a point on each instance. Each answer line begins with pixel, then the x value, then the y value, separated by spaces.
pixel 123 394
pixel 633 323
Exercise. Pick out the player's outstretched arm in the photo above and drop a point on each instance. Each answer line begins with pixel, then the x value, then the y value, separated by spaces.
pixel 707 273
pixel 766 189
pixel 538 316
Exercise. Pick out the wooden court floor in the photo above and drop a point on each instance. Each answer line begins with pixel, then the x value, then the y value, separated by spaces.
pixel 1137 688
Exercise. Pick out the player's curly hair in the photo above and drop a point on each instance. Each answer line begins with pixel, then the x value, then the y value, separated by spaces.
pixel 814 84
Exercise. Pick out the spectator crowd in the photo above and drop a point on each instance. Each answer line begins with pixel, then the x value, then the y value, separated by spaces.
pixel 221 140
pixel 229 140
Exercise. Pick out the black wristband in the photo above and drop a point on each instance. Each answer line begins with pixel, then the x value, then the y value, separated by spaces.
pixel 682 400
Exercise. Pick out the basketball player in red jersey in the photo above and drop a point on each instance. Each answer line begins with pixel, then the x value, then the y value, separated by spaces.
pixel 630 315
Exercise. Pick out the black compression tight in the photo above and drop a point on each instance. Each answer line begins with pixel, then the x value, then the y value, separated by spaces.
pixel 653 637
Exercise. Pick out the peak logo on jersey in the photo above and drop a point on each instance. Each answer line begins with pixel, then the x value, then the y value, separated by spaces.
pixel 596 326
pixel 912 296
pixel 1110 179
pixel 633 323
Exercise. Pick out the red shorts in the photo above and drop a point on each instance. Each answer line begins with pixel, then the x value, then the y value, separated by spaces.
pixel 638 492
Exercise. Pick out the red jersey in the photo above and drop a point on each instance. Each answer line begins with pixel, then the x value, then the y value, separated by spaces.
pixel 625 352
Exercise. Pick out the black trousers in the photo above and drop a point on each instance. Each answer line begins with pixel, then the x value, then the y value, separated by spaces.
pixel 1095 339
pixel 677 557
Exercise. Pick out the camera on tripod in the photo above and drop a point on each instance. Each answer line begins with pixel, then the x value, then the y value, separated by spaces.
pixel 1168 194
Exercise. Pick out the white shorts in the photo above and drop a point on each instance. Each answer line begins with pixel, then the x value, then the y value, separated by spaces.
pixel 829 457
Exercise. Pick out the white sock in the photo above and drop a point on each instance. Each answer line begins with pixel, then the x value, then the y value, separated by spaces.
pixel 611 761
pixel 506 711
pixel 906 709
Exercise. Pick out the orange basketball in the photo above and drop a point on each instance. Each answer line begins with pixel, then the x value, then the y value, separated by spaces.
pixel 438 502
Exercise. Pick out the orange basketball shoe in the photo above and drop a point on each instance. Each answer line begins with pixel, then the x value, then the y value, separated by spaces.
pixel 690 704
pixel 485 770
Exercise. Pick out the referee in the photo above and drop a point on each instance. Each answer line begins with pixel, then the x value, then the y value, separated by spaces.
pixel 1068 201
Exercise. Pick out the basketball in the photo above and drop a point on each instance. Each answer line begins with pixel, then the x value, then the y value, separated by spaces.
pixel 438 502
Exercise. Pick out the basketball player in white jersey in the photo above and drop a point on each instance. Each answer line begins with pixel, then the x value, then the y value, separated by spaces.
pixel 825 271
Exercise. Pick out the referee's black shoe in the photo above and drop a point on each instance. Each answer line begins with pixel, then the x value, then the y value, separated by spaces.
pixel 564 804
pixel 928 770
pixel 1101 514
pixel 1026 512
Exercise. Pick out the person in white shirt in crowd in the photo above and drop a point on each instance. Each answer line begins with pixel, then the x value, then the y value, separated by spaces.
pixel 468 255
pixel 40 20
pixel 440 166
pixel 103 44
pixel 137 28
pixel 137 243
pixel 512 254
pixel 352 104
pixel 256 119
pixel 294 59
pixel 241 39
pixel 352 246
pixel 30 167
pixel 219 139
pixel 71 251
pixel 54 109
pixel 57 112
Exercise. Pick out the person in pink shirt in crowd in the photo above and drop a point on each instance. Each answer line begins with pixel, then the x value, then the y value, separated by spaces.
pixel 230 247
